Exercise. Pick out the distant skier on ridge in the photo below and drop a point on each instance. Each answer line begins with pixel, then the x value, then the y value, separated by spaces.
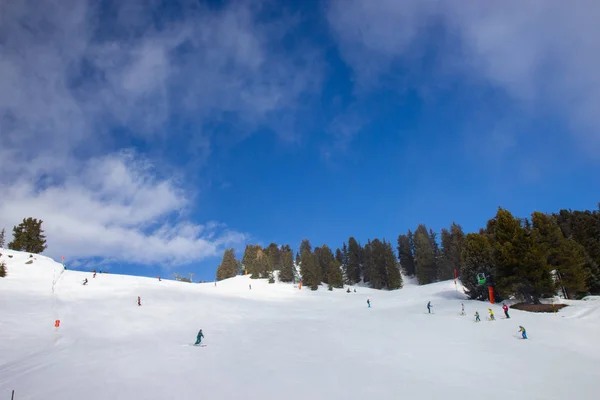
pixel 369 303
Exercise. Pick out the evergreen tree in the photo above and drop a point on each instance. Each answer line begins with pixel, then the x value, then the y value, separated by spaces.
pixel 394 278
pixel 452 246
pixel 264 266
pixel 324 259
pixel 228 266
pixel 425 262
pixel 353 270
pixel 368 265
pixel 339 256
pixel 250 261
pixel 2 238
pixel 377 261
pixel 272 251
pixel 305 246
pixel 335 277
pixel 308 268
pixel 2 269
pixel 405 254
pixel 521 267
pixel 477 257
pixel 286 274
pixel 565 256
pixel 29 236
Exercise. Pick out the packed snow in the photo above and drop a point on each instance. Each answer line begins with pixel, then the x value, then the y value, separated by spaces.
pixel 275 341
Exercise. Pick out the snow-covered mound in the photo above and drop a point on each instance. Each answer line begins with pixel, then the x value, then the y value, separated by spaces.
pixel 274 341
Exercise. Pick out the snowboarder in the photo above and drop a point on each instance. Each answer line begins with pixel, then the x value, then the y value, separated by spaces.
pixel 199 338
pixel 477 316
pixel 523 332
pixel 505 308
pixel 429 307
pixel 462 311
pixel 85 281
pixel 348 291
pixel 139 301
pixel 492 318
pixel 369 303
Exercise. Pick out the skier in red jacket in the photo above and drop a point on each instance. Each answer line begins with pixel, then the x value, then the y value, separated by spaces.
pixel 505 308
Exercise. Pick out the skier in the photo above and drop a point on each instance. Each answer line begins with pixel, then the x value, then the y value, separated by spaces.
pixel 462 311
pixel 139 301
pixel 429 307
pixel 354 290
pixel 160 280
pixel 477 316
pixel 94 274
pixel 369 303
pixel 199 338
pixel 505 308
pixel 523 332
pixel 492 318
pixel 85 281
pixel 250 286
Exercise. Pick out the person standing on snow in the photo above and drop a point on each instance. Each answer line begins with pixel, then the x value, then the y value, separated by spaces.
pixel 369 303
pixel 429 307
pixel 462 311
pixel 492 318
pixel 505 308
pixel 199 337
pixel 139 301
pixel 85 281
pixel 477 316
pixel 523 332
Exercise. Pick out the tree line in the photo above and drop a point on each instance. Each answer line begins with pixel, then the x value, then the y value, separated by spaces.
pixel 529 258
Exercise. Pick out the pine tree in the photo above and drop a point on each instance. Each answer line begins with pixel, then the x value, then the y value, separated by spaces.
pixel 353 269
pixel 2 269
pixel 377 264
pixel 2 238
pixel 286 274
pixel 228 266
pixel 452 246
pixel 477 258
pixel 274 255
pixel 29 236
pixel 324 259
pixel 405 254
pixel 250 261
pixel 264 266
pixel 335 277
pixel 368 265
pixel 425 262
pixel 308 268
pixel 394 278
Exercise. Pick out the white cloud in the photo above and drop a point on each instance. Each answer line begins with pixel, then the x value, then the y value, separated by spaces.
pixel 543 53
pixel 114 208
pixel 68 78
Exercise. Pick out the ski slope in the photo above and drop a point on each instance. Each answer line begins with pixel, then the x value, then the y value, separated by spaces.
pixel 278 342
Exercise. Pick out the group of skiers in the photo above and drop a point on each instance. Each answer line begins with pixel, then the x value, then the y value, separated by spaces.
pixel 477 317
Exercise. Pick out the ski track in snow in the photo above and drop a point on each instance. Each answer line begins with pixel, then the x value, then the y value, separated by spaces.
pixel 278 342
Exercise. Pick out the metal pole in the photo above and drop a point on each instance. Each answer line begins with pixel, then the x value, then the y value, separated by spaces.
pixel 13 395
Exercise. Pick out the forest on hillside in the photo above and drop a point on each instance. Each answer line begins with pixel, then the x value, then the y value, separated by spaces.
pixel 528 258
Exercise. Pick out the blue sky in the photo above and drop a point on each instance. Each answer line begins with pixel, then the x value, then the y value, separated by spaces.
pixel 150 136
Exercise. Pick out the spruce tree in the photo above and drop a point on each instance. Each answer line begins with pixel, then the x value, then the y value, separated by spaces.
pixel 405 255
pixel 2 238
pixel 286 274
pixel 477 258
pixel 335 277
pixel 29 236
pixel 377 265
pixel 228 266
pixel 324 259
pixel 452 246
pixel 250 261
pixel 2 269
pixel 308 268
pixel 425 262
pixel 394 278
pixel 274 255
pixel 368 265
pixel 353 268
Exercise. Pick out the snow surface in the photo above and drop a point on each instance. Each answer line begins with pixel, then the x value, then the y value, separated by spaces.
pixel 278 342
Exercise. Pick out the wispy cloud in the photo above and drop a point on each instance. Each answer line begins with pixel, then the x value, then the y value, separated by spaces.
pixel 79 78
pixel 543 54
pixel 115 208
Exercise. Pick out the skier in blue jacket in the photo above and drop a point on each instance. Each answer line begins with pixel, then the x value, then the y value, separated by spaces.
pixel 199 337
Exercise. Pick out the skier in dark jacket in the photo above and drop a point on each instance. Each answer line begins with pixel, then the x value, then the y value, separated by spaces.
pixel 429 307
pixel 199 337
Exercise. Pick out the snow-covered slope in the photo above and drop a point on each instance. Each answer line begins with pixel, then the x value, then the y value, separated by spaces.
pixel 278 342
